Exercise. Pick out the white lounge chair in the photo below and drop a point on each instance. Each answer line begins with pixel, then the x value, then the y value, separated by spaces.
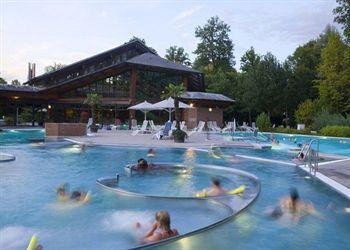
pixel 216 127
pixel 198 129
pixel 182 125
pixel 229 127
pixel 143 129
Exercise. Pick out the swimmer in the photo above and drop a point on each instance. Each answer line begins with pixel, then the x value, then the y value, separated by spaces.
pixel 76 196
pixel 275 142
pixel 82 146
pixel 300 157
pixel 216 188
pixel 62 192
pixel 151 153
pixel 160 229
pixel 142 164
pixel 293 206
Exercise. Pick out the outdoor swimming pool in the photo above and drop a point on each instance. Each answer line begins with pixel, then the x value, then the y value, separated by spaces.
pixel 28 202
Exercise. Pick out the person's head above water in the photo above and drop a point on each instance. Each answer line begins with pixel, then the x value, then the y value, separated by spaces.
pixel 163 219
pixel 76 195
pixel 216 182
pixel 294 195
pixel 142 163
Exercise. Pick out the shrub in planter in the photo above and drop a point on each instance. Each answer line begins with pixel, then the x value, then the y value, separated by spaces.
pixel 93 128
pixel 340 131
pixel 263 122
pixel 179 135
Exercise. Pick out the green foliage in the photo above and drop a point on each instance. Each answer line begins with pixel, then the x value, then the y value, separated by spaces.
pixel 15 82
pixel 54 67
pixel 2 81
pixel 334 85
pixel 179 135
pixel 215 47
pixel 9 121
pixel 26 115
pixel 325 118
pixel 93 100
pixel 175 91
pixel 339 131
pixel 142 40
pixel 263 83
pixel 342 16
pixel 305 131
pixel 178 55
pixel 306 112
pixel 263 122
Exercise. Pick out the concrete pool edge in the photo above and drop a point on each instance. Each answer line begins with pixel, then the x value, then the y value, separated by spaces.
pixel 245 205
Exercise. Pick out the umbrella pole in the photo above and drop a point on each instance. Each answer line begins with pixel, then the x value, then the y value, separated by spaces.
pixel 145 115
pixel 170 114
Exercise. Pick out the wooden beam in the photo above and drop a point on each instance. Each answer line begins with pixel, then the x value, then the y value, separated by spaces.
pixel 185 81
pixel 132 93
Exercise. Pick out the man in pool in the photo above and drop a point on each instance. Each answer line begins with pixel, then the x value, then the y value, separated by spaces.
pixel 142 164
pixel 216 189
pixel 76 196
pixel 160 230
pixel 293 206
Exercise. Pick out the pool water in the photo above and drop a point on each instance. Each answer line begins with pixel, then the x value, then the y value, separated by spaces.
pixel 20 136
pixel 28 203
pixel 330 145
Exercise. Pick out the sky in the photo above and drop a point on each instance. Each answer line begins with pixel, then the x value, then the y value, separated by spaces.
pixel 64 31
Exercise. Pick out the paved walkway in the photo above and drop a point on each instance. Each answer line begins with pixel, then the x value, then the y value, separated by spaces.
pixel 338 171
pixel 124 138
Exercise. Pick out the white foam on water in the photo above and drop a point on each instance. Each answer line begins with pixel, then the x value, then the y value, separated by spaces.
pixel 16 237
pixel 125 221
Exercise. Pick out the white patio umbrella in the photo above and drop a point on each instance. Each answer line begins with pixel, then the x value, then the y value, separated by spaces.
pixel 234 125
pixel 144 107
pixel 169 106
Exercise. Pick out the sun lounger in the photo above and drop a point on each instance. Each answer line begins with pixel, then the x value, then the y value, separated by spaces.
pixel 165 133
pixel 143 129
pixel 198 129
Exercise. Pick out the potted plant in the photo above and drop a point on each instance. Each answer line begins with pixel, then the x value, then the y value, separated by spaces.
pixel 175 91
pixel 93 100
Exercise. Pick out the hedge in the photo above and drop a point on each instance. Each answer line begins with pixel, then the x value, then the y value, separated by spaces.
pixel 339 131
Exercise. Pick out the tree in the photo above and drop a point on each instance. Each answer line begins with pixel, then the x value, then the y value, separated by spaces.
pixel 215 47
pixel 15 82
pixel 93 100
pixel 142 40
pixel 342 16
pixel 178 55
pixel 175 91
pixel 2 81
pixel 334 85
pixel 54 67
pixel 306 111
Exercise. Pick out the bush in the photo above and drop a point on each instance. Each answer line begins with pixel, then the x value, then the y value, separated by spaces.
pixel 340 131
pixel 263 122
pixel 292 131
pixel 325 118
pixel 9 121
pixel 306 112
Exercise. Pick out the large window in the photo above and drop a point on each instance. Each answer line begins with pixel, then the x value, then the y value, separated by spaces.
pixel 115 86
pixel 150 85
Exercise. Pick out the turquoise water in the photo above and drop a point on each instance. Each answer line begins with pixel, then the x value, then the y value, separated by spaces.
pixel 330 145
pixel 20 136
pixel 28 202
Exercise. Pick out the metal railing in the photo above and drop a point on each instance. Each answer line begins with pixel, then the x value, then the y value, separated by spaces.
pixel 312 156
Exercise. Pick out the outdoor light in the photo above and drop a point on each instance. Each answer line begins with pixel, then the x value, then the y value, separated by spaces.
pixel 49 106
pixel 191 105
pixel 111 110
pixel 210 109
pixel 16 97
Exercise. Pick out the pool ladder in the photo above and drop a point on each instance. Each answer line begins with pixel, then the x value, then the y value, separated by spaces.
pixel 311 155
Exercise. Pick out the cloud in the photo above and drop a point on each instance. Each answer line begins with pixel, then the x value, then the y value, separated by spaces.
pixel 181 19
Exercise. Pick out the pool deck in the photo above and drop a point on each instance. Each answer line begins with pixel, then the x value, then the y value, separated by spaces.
pixel 124 138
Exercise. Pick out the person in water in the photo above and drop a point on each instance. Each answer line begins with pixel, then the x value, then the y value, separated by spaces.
pixel 151 153
pixel 63 194
pixel 294 206
pixel 216 188
pixel 142 164
pixel 160 229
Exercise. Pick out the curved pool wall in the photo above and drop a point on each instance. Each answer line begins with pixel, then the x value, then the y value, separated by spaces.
pixel 234 203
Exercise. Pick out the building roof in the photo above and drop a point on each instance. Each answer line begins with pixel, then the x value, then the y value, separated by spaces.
pixel 206 96
pixel 18 88
pixel 126 45
pixel 152 60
